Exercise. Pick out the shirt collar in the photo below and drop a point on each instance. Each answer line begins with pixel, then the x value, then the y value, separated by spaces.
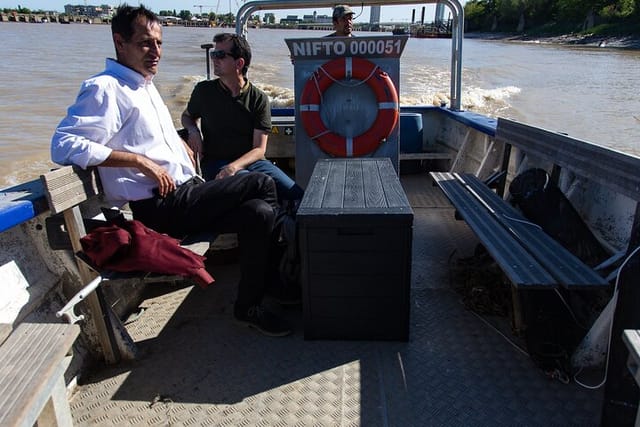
pixel 243 90
pixel 126 73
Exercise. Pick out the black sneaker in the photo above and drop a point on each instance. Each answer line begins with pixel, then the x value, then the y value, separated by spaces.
pixel 258 318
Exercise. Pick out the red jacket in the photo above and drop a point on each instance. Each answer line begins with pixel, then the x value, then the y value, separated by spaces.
pixel 131 246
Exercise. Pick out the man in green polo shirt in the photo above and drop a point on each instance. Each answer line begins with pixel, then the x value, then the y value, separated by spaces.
pixel 235 119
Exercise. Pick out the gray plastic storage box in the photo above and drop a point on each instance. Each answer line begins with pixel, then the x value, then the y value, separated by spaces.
pixel 355 227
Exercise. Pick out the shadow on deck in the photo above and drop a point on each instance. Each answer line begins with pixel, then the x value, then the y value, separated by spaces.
pixel 198 368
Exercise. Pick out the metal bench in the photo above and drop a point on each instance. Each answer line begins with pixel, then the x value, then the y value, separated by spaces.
pixel 529 257
pixel 34 359
pixel 618 174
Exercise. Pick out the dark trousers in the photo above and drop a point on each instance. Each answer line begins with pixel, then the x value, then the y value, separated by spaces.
pixel 244 204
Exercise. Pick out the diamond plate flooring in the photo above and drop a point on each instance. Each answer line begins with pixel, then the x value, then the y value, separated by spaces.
pixel 197 368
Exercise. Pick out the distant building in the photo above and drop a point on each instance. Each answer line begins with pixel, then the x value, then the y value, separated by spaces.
pixel 374 17
pixel 87 10
pixel 290 20
pixel 315 18
pixel 170 20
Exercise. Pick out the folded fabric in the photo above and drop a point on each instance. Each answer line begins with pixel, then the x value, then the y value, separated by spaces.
pixel 131 246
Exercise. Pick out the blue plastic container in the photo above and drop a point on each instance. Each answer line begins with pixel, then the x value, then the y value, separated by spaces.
pixel 410 133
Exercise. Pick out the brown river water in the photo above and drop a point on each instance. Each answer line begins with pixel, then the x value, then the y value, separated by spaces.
pixel 590 93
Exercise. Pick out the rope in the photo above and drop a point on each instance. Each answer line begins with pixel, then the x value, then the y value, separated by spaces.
pixel 315 82
pixel 320 134
pixel 341 83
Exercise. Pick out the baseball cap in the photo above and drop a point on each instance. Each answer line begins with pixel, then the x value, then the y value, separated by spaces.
pixel 342 10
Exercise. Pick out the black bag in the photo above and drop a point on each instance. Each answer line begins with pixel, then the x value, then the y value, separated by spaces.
pixel 285 253
pixel 542 202
pixel 556 319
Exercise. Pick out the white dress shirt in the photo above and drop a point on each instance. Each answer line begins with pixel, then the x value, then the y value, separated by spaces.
pixel 119 109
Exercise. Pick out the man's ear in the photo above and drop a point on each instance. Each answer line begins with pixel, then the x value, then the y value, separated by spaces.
pixel 118 42
pixel 240 64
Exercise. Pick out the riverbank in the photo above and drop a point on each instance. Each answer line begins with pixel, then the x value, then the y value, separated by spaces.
pixel 616 42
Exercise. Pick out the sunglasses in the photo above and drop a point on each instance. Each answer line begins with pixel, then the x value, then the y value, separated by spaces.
pixel 220 54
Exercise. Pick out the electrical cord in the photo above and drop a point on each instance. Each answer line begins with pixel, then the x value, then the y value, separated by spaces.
pixel 615 295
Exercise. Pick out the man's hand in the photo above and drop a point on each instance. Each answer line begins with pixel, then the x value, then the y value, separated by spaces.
pixel 191 125
pixel 148 167
pixel 195 141
pixel 228 170
pixel 166 184
pixel 192 155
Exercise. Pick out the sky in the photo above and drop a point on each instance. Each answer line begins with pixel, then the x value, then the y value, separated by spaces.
pixel 388 13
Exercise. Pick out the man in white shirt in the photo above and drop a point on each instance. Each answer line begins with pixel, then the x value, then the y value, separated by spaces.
pixel 120 124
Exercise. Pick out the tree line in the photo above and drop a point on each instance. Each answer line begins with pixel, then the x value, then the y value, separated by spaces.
pixel 553 16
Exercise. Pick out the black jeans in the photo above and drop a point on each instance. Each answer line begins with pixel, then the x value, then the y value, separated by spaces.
pixel 244 204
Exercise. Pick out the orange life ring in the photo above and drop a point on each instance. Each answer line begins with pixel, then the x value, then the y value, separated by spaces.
pixel 337 70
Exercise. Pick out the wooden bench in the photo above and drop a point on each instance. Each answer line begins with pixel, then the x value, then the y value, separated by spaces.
pixel 66 189
pixel 34 359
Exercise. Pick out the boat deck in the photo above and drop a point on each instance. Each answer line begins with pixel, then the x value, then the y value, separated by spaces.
pixel 197 367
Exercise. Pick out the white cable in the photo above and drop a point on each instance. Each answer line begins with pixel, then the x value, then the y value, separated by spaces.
pixel 615 295
pixel 523 221
pixel 513 344
pixel 575 319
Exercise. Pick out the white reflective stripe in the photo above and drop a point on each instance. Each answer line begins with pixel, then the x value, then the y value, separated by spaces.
pixel 348 67
pixel 387 106
pixel 309 107
pixel 349 147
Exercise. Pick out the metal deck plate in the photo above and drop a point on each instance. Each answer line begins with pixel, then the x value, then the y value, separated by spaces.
pixel 198 368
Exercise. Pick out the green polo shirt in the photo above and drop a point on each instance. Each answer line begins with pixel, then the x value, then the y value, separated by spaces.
pixel 228 122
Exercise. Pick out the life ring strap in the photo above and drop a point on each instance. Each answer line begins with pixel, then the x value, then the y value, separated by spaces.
pixel 310 107
pixel 387 105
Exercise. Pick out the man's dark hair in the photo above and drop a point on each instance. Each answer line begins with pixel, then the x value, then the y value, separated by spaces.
pixel 240 48
pixel 122 22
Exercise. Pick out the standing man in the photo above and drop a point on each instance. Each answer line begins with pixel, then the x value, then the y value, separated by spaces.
pixel 120 124
pixel 235 118
pixel 342 21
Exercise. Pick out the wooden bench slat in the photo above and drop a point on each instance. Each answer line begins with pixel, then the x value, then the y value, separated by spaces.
pixel 33 362
pixel 514 260
pixel 68 186
pixel 5 330
pixel 565 267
